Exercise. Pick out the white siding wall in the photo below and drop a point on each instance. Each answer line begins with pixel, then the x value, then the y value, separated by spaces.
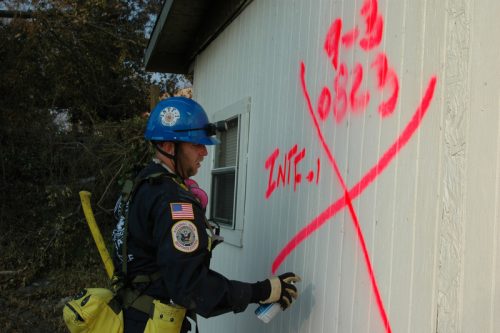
pixel 429 220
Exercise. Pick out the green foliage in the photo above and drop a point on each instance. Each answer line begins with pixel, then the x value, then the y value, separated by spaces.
pixel 83 56
pixel 72 92
pixel 42 225
pixel 79 62
pixel 40 202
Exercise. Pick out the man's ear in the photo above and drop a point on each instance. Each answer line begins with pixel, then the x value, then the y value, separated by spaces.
pixel 168 147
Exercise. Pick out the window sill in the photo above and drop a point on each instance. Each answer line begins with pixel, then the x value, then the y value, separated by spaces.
pixel 231 236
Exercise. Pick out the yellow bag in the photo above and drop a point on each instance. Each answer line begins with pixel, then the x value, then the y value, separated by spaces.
pixel 166 318
pixel 93 310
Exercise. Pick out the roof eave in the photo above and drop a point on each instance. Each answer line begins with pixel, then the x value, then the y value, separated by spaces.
pixel 184 30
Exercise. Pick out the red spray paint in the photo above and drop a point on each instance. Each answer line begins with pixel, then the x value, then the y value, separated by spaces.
pixel 342 98
pixel 288 170
pixel 357 189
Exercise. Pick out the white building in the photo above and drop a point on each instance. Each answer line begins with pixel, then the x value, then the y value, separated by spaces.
pixel 365 153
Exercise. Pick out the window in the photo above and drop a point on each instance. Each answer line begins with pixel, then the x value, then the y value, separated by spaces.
pixel 229 172
pixel 224 175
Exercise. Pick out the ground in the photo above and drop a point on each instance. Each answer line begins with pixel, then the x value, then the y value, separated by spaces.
pixel 36 307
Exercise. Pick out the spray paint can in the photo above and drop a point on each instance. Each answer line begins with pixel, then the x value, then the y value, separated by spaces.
pixel 266 312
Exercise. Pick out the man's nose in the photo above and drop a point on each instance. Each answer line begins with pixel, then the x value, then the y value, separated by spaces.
pixel 204 151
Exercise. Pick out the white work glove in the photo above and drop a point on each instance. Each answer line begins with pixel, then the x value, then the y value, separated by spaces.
pixel 282 289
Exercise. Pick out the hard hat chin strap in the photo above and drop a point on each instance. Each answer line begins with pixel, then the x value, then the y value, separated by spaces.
pixel 164 153
pixel 172 157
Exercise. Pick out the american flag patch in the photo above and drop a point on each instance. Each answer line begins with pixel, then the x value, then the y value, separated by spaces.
pixel 182 211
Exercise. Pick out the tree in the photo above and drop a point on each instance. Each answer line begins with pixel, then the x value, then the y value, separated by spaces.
pixel 79 55
pixel 72 92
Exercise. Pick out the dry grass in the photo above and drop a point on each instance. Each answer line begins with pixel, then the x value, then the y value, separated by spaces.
pixel 37 307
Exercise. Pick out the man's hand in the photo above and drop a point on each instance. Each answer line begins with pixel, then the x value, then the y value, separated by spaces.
pixel 282 289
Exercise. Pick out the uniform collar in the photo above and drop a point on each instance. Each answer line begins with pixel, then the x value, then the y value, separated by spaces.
pixel 158 161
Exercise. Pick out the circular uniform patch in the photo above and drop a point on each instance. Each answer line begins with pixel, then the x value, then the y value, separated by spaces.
pixel 169 116
pixel 185 236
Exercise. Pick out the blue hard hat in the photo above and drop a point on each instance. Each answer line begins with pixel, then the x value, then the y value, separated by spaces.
pixel 180 119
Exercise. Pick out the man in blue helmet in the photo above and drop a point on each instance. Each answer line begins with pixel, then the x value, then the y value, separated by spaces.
pixel 163 232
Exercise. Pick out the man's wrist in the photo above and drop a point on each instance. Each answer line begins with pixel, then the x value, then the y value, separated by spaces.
pixel 260 291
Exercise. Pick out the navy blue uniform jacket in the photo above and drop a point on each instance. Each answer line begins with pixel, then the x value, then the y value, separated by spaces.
pixel 167 233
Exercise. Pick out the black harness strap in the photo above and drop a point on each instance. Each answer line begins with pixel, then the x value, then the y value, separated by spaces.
pixel 130 296
pixel 128 191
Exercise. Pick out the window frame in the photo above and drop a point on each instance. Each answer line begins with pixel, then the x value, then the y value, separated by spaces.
pixel 241 109
pixel 217 172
